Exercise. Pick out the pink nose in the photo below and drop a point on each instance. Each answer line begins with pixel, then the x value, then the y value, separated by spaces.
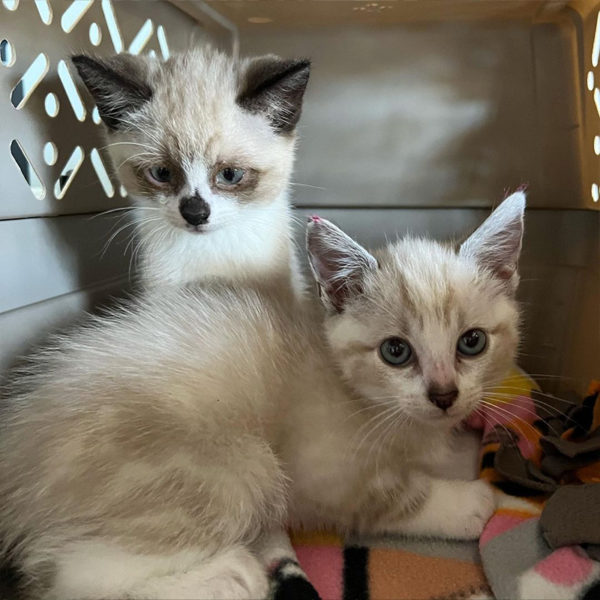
pixel 443 399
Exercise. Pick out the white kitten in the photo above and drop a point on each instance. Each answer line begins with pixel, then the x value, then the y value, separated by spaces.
pixel 205 146
pixel 148 452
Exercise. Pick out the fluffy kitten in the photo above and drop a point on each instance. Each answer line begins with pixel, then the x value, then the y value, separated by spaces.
pixel 416 332
pixel 177 131
pixel 205 147
pixel 122 479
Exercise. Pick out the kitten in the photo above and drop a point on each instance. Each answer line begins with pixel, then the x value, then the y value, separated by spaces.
pixel 131 468
pixel 204 146
pixel 416 332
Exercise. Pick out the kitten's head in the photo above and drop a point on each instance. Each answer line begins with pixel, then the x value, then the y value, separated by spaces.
pixel 200 137
pixel 420 325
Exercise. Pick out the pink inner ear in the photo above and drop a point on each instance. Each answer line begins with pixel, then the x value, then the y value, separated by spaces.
pixel 505 273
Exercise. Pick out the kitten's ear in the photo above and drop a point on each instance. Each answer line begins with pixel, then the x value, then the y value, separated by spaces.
pixel 338 263
pixel 118 84
pixel 275 87
pixel 496 244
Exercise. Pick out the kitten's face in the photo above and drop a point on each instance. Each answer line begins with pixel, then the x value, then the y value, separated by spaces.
pixel 427 334
pixel 419 326
pixel 198 138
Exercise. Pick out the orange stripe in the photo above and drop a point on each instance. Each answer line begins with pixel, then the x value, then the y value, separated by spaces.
pixel 315 538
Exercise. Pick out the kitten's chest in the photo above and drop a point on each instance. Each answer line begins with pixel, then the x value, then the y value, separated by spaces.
pixel 341 470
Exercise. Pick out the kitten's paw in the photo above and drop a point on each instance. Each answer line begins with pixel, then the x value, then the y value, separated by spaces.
pixel 453 509
pixel 475 505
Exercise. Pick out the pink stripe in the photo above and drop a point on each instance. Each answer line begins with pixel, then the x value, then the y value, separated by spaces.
pixel 565 566
pixel 323 565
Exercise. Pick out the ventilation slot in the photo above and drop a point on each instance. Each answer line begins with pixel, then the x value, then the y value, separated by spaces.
pixel 27 170
pixel 95 34
pixel 50 153
pixel 74 14
pixel 31 79
pixel 111 24
pixel 100 169
pixel 43 7
pixel 68 173
pixel 7 53
pixel 51 104
pixel 596 44
pixel 96 116
pixel 142 37
pixel 162 42
pixel 10 4
pixel 71 90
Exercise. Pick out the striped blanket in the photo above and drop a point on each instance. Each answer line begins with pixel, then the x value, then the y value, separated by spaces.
pixel 542 542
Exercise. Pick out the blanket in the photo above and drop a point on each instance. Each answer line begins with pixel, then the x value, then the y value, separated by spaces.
pixel 542 542
pixel 544 538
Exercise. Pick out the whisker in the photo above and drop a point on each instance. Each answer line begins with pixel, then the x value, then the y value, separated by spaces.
pixel 515 418
pixel 543 406
pixel 536 392
pixel 306 185
pixel 383 414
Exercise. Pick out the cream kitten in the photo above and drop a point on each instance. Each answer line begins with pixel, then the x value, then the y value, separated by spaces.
pixel 415 331
pixel 146 454
pixel 204 146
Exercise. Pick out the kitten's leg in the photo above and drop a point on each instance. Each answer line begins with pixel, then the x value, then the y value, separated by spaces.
pixel 288 580
pixel 95 570
pixel 450 509
pixel 232 575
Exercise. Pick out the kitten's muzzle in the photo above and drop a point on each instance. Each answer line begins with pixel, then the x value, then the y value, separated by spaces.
pixel 194 209
pixel 443 399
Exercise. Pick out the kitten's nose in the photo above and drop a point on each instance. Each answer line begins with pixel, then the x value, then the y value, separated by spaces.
pixel 443 399
pixel 194 209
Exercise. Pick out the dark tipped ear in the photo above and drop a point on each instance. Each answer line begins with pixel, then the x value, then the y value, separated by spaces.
pixel 118 85
pixel 275 87
pixel 496 244
pixel 338 263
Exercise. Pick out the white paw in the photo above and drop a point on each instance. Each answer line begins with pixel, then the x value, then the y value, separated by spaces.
pixel 475 504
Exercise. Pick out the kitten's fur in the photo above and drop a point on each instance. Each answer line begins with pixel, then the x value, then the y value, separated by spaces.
pixel 195 114
pixel 151 448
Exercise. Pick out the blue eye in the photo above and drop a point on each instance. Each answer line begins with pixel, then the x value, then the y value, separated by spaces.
pixel 472 343
pixel 395 351
pixel 230 176
pixel 159 174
